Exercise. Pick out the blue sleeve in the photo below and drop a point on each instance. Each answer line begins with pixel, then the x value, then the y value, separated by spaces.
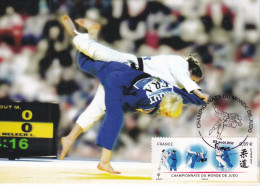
pixel 188 98
pixel 112 124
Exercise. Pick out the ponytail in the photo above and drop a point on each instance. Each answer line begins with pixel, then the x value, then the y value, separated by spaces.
pixel 194 66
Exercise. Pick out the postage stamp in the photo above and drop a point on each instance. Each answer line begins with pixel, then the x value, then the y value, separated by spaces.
pixel 182 159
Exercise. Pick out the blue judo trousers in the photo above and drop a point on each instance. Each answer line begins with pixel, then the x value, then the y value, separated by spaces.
pixel 174 162
pixel 225 157
pixel 127 89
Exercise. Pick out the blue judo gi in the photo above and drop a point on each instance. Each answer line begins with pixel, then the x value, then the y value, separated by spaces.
pixel 127 89
pixel 174 162
pixel 194 158
pixel 225 157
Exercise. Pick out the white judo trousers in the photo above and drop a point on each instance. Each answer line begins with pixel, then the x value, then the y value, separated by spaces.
pixel 172 68
pixel 163 160
pixel 219 153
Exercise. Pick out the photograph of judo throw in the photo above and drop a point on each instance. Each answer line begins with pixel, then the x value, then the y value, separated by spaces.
pixel 170 159
pixel 196 157
pixel 125 89
pixel 225 157
pixel 225 119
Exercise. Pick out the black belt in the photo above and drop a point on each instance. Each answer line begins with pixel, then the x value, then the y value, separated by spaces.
pixel 140 64
pixel 141 76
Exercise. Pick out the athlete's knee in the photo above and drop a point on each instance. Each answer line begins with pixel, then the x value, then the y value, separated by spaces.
pixel 82 59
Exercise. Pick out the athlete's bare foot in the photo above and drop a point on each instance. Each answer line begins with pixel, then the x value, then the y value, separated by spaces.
pixel 66 144
pixel 107 168
pixel 92 27
pixel 68 25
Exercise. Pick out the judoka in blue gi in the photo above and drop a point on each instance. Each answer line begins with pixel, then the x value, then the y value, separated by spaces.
pixel 173 157
pixel 127 89
pixel 195 157
pixel 225 156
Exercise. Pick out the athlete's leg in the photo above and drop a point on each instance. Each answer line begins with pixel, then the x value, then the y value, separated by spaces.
pixel 69 25
pixel 86 44
pixel 221 161
pixel 227 160
pixel 67 141
pixel 220 129
pixel 189 162
pixel 92 27
pixel 175 165
pixel 215 127
pixel 94 111
pixel 100 52
pixel 160 164
pixel 191 152
pixel 166 163
pixel 104 163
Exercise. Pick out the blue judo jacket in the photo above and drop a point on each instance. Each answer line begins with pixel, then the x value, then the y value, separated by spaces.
pixel 127 89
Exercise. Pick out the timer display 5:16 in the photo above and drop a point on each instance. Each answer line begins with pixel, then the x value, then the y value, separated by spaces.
pixel 14 143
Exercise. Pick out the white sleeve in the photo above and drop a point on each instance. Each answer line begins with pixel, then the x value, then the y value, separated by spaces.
pixel 100 52
pixel 94 111
pixel 185 80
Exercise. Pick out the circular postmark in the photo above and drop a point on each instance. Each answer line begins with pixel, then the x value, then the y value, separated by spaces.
pixel 223 117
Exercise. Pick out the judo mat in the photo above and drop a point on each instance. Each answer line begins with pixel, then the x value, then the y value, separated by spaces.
pixel 52 171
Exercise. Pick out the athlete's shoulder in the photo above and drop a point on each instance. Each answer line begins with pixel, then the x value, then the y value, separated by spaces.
pixel 174 58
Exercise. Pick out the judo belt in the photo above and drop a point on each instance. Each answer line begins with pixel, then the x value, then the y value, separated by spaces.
pixel 140 64
pixel 139 77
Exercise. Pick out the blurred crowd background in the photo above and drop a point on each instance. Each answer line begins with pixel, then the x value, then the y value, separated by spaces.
pixel 37 59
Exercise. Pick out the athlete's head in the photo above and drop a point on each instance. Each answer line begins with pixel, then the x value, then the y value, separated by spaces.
pixel 194 68
pixel 171 105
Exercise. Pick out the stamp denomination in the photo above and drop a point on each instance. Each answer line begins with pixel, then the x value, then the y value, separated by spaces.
pixel 181 159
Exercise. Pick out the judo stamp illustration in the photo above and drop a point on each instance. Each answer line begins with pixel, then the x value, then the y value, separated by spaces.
pixel 191 159
pixel 224 120
pixel 196 155
pixel 225 116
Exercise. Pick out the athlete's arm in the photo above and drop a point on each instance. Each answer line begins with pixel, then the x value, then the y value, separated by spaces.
pixel 191 86
pixel 201 95
pixel 94 111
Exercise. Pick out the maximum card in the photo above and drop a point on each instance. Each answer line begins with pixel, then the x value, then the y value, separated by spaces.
pixel 184 159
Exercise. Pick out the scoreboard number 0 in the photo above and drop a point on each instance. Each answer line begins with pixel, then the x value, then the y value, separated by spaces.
pixel 26 127
pixel 27 115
